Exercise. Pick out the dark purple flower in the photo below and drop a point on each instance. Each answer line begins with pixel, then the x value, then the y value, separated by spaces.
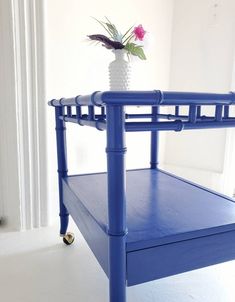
pixel 107 42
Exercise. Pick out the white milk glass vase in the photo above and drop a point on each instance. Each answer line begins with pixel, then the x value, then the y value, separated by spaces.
pixel 119 71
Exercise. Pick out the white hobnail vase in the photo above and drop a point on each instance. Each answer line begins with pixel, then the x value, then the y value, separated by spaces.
pixel 119 71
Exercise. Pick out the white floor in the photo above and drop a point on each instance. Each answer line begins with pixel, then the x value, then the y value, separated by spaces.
pixel 35 266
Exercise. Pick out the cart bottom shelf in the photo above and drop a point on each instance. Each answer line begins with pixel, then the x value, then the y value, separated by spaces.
pixel 174 226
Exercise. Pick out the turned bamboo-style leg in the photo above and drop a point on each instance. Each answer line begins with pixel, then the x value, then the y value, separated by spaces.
pixel 154 141
pixel 116 202
pixel 68 238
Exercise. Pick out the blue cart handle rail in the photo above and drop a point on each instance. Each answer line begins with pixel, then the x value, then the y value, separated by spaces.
pixel 152 98
pixel 156 121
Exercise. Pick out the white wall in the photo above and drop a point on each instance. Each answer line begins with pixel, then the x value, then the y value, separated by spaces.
pixel 201 60
pixel 76 67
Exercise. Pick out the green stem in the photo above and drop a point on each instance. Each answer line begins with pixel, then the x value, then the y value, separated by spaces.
pixel 128 39
pixel 127 31
pixel 101 23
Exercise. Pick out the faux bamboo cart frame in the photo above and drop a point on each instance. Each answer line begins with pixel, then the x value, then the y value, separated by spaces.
pixel 144 224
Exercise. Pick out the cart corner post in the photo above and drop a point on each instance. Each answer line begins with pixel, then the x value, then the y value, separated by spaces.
pixel 62 166
pixel 116 177
pixel 154 140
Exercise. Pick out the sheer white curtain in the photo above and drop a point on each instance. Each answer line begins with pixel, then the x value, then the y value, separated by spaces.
pixel 23 185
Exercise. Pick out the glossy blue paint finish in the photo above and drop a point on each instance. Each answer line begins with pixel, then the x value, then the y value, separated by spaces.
pixel 154 141
pixel 98 124
pixel 116 187
pixel 198 98
pixel 173 225
pixel 192 113
pixel 179 257
pixel 177 125
pixel 151 98
pixel 94 234
pixel 62 166
pixel 161 208
pixel 156 98
pixel 166 216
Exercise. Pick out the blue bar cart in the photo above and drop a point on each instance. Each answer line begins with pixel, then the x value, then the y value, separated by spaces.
pixel 144 224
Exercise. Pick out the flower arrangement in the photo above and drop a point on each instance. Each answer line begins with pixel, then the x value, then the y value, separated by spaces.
pixel 116 40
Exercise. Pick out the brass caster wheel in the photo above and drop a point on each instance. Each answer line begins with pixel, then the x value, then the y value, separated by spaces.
pixel 68 238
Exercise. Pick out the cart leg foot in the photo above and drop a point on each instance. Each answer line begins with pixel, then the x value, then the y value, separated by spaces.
pixel 68 238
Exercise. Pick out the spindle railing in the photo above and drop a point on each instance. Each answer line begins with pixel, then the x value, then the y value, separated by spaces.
pixel 153 121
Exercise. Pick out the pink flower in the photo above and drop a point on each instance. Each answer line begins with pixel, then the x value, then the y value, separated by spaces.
pixel 139 32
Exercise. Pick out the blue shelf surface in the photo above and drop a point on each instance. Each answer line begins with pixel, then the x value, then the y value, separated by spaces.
pixel 173 224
